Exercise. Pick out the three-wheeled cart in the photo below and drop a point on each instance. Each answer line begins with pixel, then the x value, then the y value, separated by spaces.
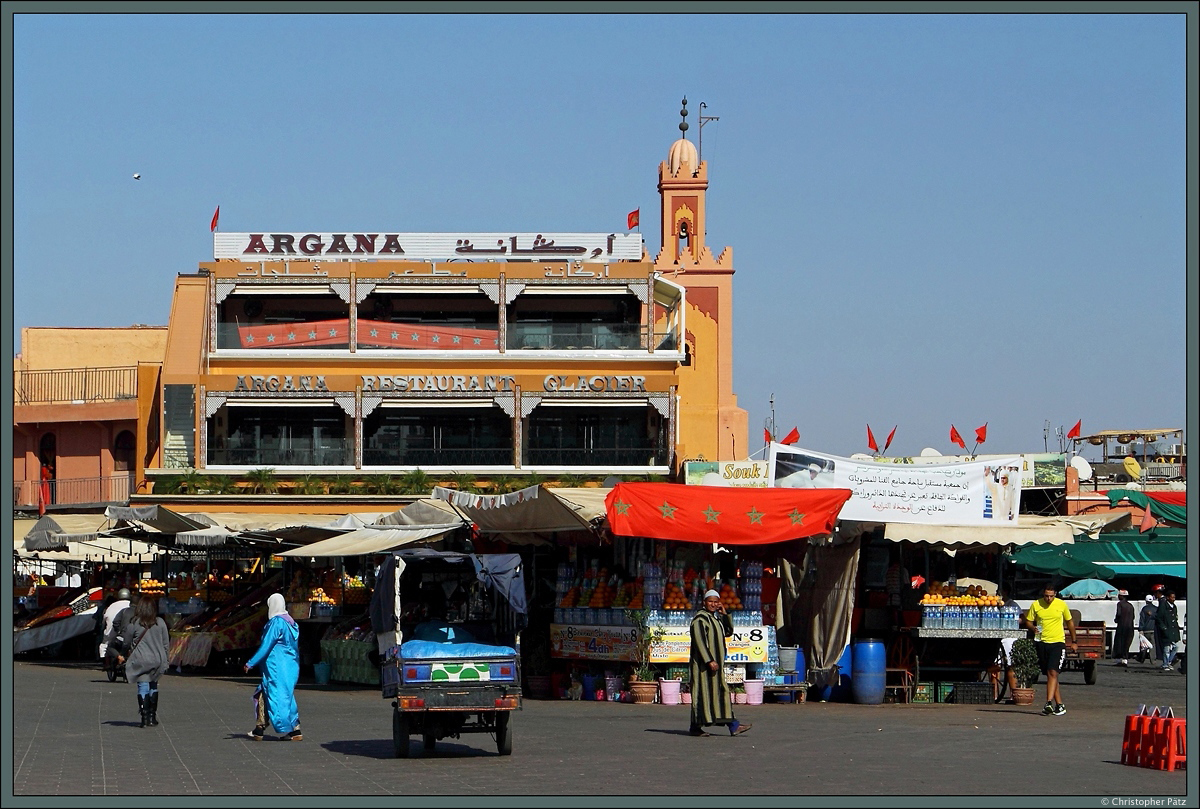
pixel 453 665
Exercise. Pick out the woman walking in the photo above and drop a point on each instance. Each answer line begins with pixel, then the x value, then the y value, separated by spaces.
pixel 279 655
pixel 148 642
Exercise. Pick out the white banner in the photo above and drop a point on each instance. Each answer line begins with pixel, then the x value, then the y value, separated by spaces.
pixel 985 492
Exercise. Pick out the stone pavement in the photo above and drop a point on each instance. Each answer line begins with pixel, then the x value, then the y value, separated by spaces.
pixel 76 734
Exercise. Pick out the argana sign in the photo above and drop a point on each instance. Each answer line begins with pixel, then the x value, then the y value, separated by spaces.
pixel 366 246
pixel 984 492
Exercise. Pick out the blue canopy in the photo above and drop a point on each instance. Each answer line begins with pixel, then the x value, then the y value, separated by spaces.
pixel 1088 588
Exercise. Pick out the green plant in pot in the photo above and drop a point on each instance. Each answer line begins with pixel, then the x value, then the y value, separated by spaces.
pixel 647 636
pixel 1024 661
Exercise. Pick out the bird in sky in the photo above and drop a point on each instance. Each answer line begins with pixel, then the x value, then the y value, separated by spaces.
pixel 137 176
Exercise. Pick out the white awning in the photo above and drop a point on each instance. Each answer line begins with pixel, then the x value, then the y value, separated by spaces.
pixel 371 540
pixel 1028 531
pixel 536 509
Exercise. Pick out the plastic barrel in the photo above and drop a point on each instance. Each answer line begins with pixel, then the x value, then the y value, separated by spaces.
pixel 869 671
pixel 841 691
pixel 787 658
pixel 321 672
pixel 591 684
pixel 800 669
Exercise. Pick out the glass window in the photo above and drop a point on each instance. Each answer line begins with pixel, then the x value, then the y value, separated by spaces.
pixel 410 436
pixel 600 436
pixel 279 436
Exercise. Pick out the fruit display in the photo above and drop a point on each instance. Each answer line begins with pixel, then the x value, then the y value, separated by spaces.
pixel 152 587
pixel 674 597
pixel 949 595
pixel 729 597
pixel 317 594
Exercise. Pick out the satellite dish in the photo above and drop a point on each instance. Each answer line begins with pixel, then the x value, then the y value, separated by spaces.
pixel 1081 466
pixel 929 452
pixel 610 481
pixel 1132 467
pixel 861 456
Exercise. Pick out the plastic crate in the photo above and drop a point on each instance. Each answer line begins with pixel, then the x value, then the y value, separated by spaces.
pixel 923 693
pixel 972 693
pixel 943 691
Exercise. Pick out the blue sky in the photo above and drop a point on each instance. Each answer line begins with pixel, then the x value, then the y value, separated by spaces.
pixel 936 219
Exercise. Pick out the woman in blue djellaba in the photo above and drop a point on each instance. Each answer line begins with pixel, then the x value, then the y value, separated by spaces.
pixel 279 656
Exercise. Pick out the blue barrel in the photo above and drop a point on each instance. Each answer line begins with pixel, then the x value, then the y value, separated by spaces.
pixel 800 669
pixel 841 691
pixel 869 672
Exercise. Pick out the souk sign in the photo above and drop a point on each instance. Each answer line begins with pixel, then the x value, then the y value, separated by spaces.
pixel 602 247
pixel 746 474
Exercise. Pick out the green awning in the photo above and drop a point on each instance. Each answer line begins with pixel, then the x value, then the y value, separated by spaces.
pixel 1060 561
pixel 1163 511
pixel 1158 552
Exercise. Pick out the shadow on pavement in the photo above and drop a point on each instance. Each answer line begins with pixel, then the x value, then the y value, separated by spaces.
pixel 382 749
pixel 683 732
pixel 120 724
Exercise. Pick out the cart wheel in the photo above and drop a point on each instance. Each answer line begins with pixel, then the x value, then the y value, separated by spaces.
pixel 399 733
pixel 429 741
pixel 503 734
pixel 1089 672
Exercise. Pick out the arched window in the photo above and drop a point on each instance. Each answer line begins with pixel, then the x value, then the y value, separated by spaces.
pixel 123 448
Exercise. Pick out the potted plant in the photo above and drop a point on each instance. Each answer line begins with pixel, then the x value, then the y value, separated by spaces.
pixel 1024 661
pixel 643 683
pixel 739 693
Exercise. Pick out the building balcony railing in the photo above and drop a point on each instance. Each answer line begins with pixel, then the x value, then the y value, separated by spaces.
pixel 109 490
pixel 566 336
pixel 625 456
pixel 490 456
pixel 75 385
pixel 336 455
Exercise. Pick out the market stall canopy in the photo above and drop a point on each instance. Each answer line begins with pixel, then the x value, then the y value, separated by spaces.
pixel 1029 530
pixel 1089 524
pixel 47 534
pixel 532 510
pixel 372 539
pixel 1058 561
pixel 1164 505
pixel 729 515
pixel 1088 589
pixel 423 512
pixel 205 537
pixel 1159 552
pixel 86 542
pixel 158 518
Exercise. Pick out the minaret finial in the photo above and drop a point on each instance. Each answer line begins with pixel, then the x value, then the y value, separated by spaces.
pixel 683 125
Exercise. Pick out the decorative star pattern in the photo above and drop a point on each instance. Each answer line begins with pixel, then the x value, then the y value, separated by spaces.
pixel 711 514
pixel 755 516
pixel 622 507
pixel 668 510
pixel 796 517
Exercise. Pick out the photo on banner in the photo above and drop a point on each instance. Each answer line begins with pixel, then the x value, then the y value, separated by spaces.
pixel 972 492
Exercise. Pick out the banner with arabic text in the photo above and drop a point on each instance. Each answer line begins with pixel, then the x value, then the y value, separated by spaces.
pixel 982 492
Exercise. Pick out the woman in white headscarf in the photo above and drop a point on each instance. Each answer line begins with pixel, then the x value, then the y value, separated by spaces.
pixel 279 656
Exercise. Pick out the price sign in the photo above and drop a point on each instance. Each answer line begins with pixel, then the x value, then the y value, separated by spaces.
pixel 748 645
pixel 576 642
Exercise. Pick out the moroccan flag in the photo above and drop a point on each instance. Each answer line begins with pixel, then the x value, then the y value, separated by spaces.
pixel 730 515
pixel 981 433
pixel 631 221
pixel 871 440
pixel 956 438
pixel 792 437
pixel 891 435
pixel 216 215
pixel 1074 431
pixel 1148 520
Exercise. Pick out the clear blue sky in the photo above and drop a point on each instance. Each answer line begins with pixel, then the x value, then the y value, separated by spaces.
pixel 936 219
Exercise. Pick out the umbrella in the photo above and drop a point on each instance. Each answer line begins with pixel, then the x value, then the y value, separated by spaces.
pixel 1054 560
pixel 1089 589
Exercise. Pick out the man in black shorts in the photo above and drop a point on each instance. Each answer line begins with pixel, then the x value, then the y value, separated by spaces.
pixel 1048 616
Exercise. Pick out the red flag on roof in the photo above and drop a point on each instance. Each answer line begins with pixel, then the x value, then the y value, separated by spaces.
pixel 729 515
pixel 981 433
pixel 956 438
pixel 1148 520
pixel 767 436
pixel 871 440
pixel 631 221
pixel 1074 431
pixel 792 437
pixel 891 435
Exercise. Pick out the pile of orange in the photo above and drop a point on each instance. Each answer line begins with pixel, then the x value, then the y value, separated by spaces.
pixel 674 598
pixel 603 595
pixel 729 597
pixel 570 598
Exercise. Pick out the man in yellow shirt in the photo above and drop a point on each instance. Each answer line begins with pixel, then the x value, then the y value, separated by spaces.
pixel 1049 615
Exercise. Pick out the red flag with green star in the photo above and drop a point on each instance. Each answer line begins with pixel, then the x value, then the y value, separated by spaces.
pixel 727 514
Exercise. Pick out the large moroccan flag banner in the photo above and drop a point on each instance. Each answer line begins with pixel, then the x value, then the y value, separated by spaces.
pixel 725 514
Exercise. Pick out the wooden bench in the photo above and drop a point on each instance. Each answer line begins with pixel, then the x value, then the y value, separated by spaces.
pixel 794 689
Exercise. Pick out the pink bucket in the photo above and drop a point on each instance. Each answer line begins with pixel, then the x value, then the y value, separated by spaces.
pixel 754 692
pixel 669 691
